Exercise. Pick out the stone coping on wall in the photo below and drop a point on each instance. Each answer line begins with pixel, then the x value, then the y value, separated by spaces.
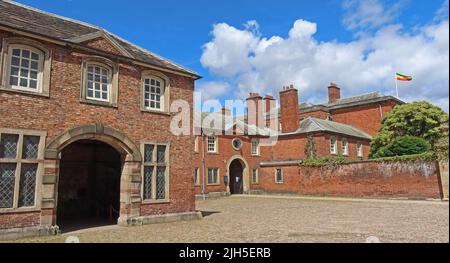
pixel 26 232
pixel 158 219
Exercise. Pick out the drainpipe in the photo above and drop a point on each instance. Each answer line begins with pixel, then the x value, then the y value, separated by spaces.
pixel 203 166
pixel 381 112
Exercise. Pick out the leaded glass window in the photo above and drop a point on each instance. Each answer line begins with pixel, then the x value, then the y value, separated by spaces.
pixel 8 146
pixel 7 180
pixel 155 172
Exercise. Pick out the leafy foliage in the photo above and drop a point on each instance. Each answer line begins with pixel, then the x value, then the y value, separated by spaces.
pixel 310 148
pixel 339 160
pixel 405 145
pixel 418 119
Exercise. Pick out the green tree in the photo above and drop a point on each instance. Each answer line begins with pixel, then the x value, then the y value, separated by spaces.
pixel 406 145
pixel 418 119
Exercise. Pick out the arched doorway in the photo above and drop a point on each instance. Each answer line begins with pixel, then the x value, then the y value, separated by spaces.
pixel 122 162
pixel 89 185
pixel 236 172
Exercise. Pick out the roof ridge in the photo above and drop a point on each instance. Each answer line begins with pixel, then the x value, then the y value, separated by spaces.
pixel 104 31
pixel 52 14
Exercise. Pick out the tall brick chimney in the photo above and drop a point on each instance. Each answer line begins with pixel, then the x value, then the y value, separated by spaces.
pixel 270 103
pixel 225 111
pixel 289 109
pixel 334 93
pixel 255 110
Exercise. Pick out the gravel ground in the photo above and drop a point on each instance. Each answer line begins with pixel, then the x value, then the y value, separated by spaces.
pixel 284 219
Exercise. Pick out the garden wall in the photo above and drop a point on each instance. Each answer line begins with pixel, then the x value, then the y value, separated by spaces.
pixel 415 180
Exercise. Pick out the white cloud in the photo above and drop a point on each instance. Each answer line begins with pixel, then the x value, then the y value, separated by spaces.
pixel 212 89
pixel 369 14
pixel 250 62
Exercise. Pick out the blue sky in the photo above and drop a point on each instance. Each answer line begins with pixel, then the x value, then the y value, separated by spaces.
pixel 179 31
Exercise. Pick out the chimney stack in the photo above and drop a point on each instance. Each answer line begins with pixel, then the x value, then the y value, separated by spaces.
pixel 270 103
pixel 226 112
pixel 334 93
pixel 255 109
pixel 289 109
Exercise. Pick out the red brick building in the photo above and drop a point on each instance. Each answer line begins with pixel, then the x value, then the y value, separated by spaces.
pixel 84 127
pixel 341 127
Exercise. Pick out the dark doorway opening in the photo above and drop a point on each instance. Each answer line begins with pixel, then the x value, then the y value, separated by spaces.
pixel 89 185
pixel 236 177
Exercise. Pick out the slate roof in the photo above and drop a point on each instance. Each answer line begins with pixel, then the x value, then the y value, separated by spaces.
pixel 311 125
pixel 350 102
pixel 28 19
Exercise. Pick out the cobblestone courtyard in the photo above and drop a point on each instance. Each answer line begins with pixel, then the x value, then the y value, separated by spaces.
pixel 284 219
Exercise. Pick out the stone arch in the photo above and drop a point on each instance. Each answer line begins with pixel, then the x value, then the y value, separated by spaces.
pixel 95 132
pixel 246 172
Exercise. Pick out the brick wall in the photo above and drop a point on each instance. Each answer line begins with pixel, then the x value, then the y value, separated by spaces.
pixel 62 111
pixel 359 179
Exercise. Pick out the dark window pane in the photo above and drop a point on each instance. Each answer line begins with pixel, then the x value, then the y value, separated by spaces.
pixel 30 147
pixel 25 53
pixel 148 153
pixel 25 63
pixel 24 83
pixel 161 183
pixel 16 52
pixel 8 146
pixel 148 176
pixel 7 179
pixel 34 56
pixel 27 185
pixel 14 81
pixel 161 152
pixel 14 71
pixel 15 61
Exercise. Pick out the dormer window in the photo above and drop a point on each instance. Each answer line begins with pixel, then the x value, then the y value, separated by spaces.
pixel 98 83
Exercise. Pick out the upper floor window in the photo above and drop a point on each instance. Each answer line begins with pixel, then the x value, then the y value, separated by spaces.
pixel 255 147
pixel 344 146
pixel 154 93
pixel 98 83
pixel 212 144
pixel 333 145
pixel 26 66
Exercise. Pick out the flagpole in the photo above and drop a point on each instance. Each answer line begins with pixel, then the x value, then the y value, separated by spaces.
pixel 396 86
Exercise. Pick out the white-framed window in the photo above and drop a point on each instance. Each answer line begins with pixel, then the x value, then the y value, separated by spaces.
pixel 279 177
pixel 155 172
pixel 360 150
pixel 255 147
pixel 196 176
pixel 196 144
pixel 26 67
pixel 213 176
pixel 345 146
pixel 212 144
pixel 333 145
pixel 154 91
pixel 98 83
pixel 21 158
pixel 255 176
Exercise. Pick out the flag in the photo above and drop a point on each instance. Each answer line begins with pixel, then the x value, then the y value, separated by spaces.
pixel 403 77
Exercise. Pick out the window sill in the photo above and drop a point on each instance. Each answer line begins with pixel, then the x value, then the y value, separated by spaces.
pixel 19 210
pixel 39 94
pixel 165 113
pixel 279 182
pixel 99 103
pixel 155 202
pixel 218 184
pixel 256 155
pixel 213 153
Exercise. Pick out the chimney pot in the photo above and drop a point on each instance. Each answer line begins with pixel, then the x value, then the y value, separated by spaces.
pixel 334 93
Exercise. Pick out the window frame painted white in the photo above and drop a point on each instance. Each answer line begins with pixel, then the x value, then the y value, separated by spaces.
pixel 109 77
pixel 209 144
pixel 217 176
pixel 333 146
pixel 255 176
pixel 345 148
pixel 255 150
pixel 360 149
pixel 276 176
pixel 39 70
pixel 161 94
pixel 197 176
